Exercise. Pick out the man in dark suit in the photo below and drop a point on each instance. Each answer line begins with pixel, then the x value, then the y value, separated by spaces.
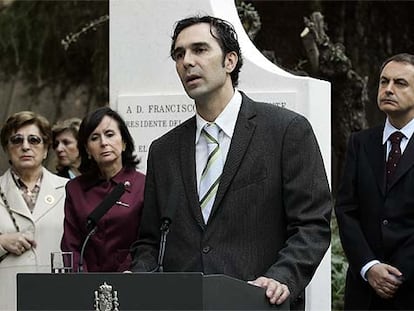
pixel 375 202
pixel 266 218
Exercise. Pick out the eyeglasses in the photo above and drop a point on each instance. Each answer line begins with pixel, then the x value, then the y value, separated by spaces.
pixel 18 139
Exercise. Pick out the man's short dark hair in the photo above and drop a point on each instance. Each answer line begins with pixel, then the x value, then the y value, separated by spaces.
pixel 399 58
pixel 222 31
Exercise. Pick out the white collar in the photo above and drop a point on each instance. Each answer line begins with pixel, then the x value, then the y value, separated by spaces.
pixel 226 120
pixel 407 130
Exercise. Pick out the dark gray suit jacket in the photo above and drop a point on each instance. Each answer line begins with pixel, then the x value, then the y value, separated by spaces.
pixel 376 222
pixel 271 216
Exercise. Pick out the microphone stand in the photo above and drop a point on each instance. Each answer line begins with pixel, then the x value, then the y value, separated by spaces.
pixel 165 229
pixel 92 232
pixel 93 218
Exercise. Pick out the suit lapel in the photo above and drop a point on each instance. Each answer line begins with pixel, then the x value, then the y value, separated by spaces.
pixel 242 135
pixel 48 197
pixel 15 198
pixel 406 162
pixel 188 168
pixel 376 156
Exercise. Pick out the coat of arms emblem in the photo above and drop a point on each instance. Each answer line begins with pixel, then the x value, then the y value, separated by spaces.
pixel 106 299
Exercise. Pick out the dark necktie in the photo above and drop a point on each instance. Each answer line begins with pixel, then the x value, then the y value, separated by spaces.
pixel 394 155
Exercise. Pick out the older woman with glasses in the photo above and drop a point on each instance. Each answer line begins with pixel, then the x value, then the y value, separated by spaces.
pixel 31 203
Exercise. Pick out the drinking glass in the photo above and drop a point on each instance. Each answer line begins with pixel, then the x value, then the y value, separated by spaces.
pixel 61 262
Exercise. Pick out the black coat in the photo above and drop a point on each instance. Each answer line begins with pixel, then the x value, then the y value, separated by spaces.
pixel 376 223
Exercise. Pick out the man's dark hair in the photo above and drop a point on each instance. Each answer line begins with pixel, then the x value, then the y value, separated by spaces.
pixel 89 124
pixel 222 31
pixel 399 58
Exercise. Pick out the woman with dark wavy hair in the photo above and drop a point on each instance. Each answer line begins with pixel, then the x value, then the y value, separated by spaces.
pixel 107 156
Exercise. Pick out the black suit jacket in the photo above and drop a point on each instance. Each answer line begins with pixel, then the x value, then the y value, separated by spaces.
pixel 272 210
pixel 376 222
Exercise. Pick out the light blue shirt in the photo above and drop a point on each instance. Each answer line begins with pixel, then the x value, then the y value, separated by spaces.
pixel 226 120
pixel 407 130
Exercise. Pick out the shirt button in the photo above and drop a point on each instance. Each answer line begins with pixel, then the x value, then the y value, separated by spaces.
pixel 385 222
pixel 206 249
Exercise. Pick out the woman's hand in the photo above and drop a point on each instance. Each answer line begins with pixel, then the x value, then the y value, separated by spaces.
pixel 17 243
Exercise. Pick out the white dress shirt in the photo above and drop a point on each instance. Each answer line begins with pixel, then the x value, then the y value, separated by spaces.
pixel 226 120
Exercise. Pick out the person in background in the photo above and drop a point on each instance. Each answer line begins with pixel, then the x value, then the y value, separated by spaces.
pixel 31 203
pixel 375 201
pixel 245 181
pixel 65 144
pixel 107 158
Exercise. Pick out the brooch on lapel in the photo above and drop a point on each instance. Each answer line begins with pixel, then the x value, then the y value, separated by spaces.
pixel 49 199
pixel 127 184
pixel 122 204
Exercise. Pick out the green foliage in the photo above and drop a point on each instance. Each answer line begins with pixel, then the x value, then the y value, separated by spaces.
pixel 30 44
pixel 339 266
pixel 249 17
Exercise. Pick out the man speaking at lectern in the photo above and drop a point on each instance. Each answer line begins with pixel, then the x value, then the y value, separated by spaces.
pixel 242 182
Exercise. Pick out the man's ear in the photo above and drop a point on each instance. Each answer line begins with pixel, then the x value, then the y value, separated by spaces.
pixel 230 61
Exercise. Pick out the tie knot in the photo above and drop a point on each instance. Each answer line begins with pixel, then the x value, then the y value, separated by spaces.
pixel 211 132
pixel 395 138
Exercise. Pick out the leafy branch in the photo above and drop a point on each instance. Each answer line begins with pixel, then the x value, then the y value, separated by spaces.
pixel 73 37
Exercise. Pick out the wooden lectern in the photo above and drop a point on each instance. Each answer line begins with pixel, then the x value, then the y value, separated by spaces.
pixel 138 291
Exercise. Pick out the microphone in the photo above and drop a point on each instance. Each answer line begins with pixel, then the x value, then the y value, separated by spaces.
pixel 166 221
pixel 106 204
pixel 165 229
pixel 91 233
pixel 92 220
